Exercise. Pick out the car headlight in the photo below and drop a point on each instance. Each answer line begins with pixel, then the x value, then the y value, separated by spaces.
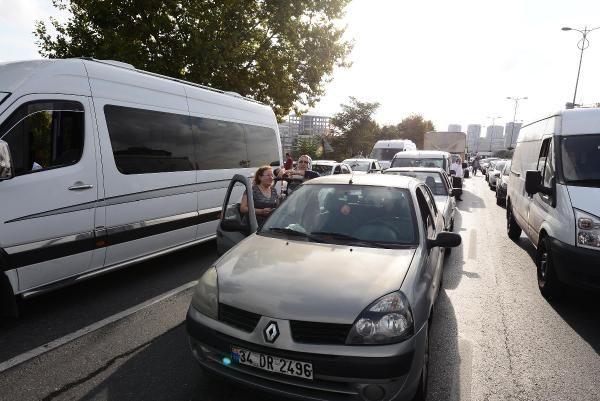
pixel 387 320
pixel 206 294
pixel 588 230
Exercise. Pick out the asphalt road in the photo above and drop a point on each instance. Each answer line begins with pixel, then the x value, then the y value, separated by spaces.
pixel 494 337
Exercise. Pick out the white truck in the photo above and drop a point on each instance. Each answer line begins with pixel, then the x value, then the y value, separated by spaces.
pixel 454 143
pixel 385 150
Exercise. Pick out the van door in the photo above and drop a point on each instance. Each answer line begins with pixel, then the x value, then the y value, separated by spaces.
pixel 48 207
pixel 541 204
pixel 234 226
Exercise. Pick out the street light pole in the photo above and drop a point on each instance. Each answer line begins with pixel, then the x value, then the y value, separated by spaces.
pixel 583 44
pixel 516 100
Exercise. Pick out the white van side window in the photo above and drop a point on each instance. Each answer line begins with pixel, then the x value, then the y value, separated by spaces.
pixel 44 135
pixel 548 167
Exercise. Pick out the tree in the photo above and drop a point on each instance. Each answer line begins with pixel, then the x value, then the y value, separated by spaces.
pixel 278 52
pixel 357 127
pixel 504 154
pixel 414 128
pixel 310 146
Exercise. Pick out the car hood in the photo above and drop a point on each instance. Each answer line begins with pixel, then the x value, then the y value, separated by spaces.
pixel 585 199
pixel 297 280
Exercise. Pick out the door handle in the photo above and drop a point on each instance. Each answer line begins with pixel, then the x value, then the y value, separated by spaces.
pixel 78 186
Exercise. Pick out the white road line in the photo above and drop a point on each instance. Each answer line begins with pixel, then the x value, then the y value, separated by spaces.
pixel 19 359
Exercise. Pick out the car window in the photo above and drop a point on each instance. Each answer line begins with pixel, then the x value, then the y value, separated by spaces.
pixel 44 135
pixel 426 214
pixel 434 180
pixel 346 213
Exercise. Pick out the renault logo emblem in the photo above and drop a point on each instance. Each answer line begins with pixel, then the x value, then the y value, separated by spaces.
pixel 271 332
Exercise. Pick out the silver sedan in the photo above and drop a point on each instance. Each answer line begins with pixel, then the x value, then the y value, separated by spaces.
pixel 332 298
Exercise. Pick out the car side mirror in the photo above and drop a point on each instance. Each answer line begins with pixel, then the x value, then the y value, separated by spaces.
pixel 233 225
pixel 6 165
pixel 445 239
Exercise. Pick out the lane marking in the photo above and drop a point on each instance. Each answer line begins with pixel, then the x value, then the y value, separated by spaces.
pixel 52 345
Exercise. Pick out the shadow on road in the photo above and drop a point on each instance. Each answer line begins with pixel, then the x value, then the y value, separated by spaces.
pixel 470 201
pixel 576 307
pixel 64 311
pixel 445 359
pixel 166 370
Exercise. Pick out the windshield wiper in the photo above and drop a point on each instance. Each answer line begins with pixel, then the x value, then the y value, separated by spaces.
pixel 359 241
pixel 296 233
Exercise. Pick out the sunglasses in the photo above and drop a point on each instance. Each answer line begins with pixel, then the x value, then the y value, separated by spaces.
pixel 303 161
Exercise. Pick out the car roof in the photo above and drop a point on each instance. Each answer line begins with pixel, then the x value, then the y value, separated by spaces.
pixel 325 162
pixel 422 153
pixel 380 180
pixel 416 169
pixel 359 160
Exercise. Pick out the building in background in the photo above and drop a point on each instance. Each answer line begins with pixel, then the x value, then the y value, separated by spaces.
pixel 454 128
pixel 473 136
pixel 304 126
pixel 511 134
pixel 495 138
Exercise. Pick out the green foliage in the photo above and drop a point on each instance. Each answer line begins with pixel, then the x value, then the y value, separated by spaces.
pixel 309 146
pixel 412 127
pixel 504 154
pixel 278 52
pixel 357 127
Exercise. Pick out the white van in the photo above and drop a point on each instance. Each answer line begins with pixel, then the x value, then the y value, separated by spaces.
pixel 103 165
pixel 384 150
pixel 554 196
pixel 423 158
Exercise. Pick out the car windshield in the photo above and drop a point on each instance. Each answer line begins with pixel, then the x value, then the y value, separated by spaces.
pixel 581 159
pixel 385 153
pixel 358 165
pixel 416 162
pixel 506 170
pixel 369 216
pixel 322 169
pixel 432 179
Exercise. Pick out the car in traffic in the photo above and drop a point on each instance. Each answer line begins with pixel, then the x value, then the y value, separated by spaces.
pixel 489 168
pixel 440 185
pixel 553 194
pixel 502 184
pixel 384 150
pixel 330 167
pixel 423 158
pixel 363 166
pixel 332 298
pixel 485 163
pixel 494 173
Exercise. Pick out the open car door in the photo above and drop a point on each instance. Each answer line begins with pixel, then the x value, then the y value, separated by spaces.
pixel 235 226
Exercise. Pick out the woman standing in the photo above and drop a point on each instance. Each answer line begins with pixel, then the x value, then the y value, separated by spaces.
pixel 263 194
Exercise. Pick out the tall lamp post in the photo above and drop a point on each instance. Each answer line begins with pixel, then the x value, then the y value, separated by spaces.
pixel 492 127
pixel 583 44
pixel 514 121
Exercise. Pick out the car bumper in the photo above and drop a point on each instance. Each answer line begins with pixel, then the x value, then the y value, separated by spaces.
pixel 335 378
pixel 576 266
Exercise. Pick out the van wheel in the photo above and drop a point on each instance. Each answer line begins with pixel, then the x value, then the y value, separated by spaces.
pixel 512 227
pixel 548 282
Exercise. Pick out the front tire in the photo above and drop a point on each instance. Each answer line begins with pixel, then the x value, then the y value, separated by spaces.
pixel 548 283
pixel 512 227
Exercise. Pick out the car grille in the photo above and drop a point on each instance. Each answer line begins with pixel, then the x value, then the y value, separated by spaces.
pixel 319 333
pixel 239 318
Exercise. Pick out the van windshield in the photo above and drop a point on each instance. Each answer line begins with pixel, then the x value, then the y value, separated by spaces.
pixel 581 159
pixel 414 162
pixel 386 154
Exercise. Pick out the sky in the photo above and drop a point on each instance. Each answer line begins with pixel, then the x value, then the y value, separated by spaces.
pixel 454 62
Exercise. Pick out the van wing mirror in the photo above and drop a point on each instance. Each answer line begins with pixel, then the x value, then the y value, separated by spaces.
pixel 533 182
pixel 6 165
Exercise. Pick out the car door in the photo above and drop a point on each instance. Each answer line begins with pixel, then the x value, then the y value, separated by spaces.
pixel 48 207
pixel 541 205
pixel 234 226
pixel 432 225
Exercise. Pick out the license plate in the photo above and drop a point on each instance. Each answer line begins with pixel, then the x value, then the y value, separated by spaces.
pixel 272 363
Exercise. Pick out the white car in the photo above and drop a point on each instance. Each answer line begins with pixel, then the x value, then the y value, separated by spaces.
pixel 438 181
pixel 363 166
pixel 494 173
pixel 330 167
